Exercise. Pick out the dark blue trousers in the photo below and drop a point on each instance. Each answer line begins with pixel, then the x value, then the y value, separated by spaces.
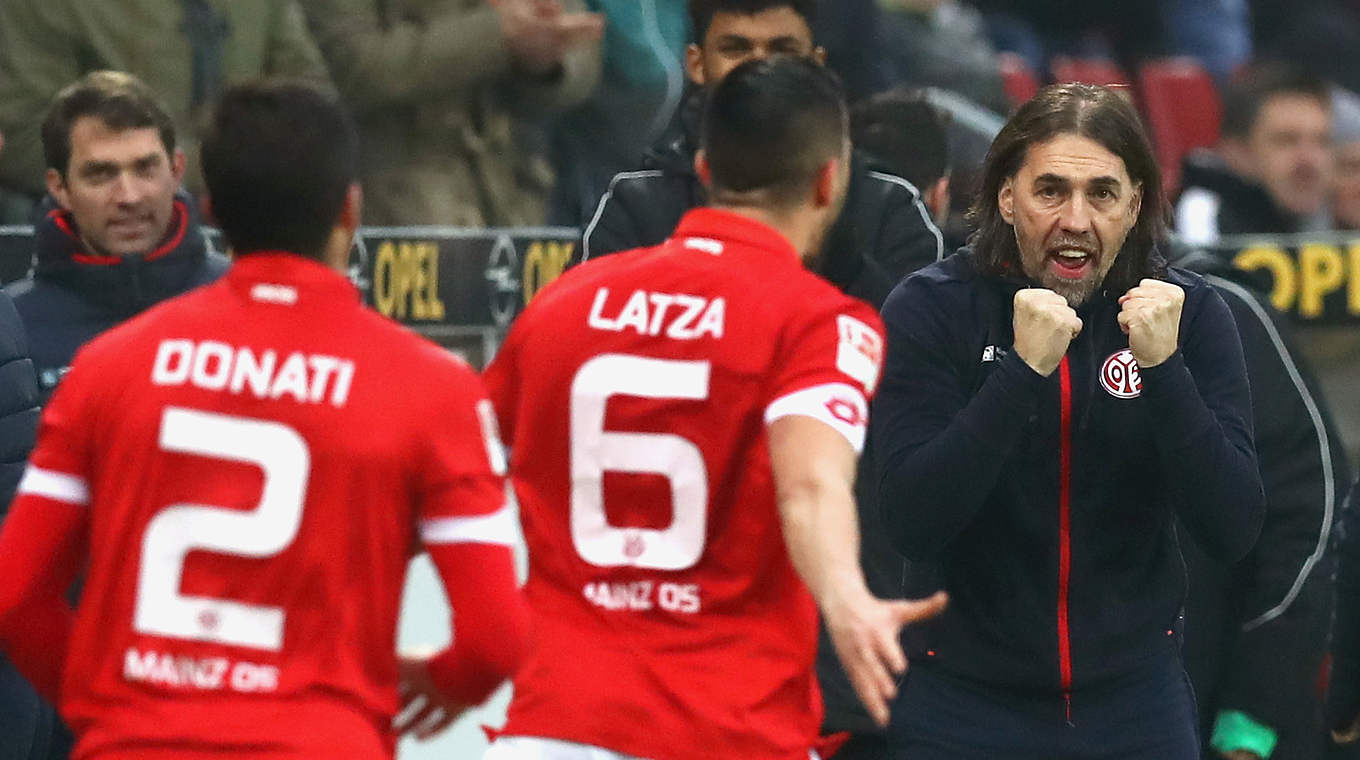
pixel 1148 715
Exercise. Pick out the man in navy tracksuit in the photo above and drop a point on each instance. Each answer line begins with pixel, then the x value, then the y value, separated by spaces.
pixel 1054 398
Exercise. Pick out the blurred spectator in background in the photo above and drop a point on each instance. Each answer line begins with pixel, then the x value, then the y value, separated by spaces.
pixel 1271 172
pixel 186 50
pixel 849 31
pixel 1216 32
pixel 1346 168
pixel 116 237
pixel 642 84
pixel 942 43
pixel 901 133
pixel 884 230
pixel 1321 36
pixel 1036 30
pixel 1256 631
pixel 439 88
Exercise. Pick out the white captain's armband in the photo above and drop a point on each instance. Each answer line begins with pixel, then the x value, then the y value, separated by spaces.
pixel 499 527
pixel 860 351
pixel 839 405
pixel 57 486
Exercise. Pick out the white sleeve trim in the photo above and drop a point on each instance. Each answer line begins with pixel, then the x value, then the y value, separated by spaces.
pixel 921 209
pixel 57 486
pixel 499 527
pixel 599 210
pixel 839 405
pixel 1324 452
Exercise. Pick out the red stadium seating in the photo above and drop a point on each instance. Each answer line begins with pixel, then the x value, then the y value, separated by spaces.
pixel 1182 109
pixel 1017 79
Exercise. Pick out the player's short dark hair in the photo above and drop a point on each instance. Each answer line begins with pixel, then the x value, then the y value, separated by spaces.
pixel 770 125
pixel 118 99
pixel 1098 114
pixel 902 133
pixel 278 159
pixel 1247 93
pixel 701 12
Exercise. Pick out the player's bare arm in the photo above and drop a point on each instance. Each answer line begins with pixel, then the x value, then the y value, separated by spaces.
pixel 814 471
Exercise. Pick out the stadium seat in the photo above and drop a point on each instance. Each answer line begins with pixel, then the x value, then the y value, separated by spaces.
pixel 1182 109
pixel 1017 79
pixel 1088 71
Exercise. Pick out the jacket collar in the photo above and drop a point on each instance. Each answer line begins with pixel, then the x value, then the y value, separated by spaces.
pixel 287 278
pixel 701 228
pixel 59 243
pixel 122 285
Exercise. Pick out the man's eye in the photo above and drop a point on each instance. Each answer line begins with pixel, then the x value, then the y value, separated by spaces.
pixel 1103 194
pixel 1048 192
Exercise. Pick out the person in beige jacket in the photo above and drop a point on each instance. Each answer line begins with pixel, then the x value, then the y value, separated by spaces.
pixel 438 87
pixel 187 51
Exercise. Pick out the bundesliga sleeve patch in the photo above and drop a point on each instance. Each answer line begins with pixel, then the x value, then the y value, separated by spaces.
pixel 839 405
pixel 860 351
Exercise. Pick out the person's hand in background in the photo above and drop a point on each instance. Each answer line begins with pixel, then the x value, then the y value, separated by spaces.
pixel 540 32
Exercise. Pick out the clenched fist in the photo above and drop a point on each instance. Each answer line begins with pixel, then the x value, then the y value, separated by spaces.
pixel 1150 314
pixel 1044 326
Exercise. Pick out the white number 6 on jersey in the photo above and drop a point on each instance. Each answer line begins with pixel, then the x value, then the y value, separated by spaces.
pixel 595 451
pixel 262 532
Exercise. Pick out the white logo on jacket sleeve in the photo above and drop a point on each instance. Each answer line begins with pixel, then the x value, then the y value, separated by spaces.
pixel 860 353
pixel 1119 375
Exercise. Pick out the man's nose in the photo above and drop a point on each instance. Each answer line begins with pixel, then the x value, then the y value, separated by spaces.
pixel 1076 214
pixel 126 188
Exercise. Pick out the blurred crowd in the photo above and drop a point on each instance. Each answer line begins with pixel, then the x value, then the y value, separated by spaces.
pixel 580 113
pixel 519 112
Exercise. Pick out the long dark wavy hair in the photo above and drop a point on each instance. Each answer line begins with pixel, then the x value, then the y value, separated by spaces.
pixel 1101 115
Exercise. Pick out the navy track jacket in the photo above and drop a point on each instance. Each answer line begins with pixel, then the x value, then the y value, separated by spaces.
pixel 1045 505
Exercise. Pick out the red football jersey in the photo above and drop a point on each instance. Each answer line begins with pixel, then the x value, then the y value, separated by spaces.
pixel 258 459
pixel 634 394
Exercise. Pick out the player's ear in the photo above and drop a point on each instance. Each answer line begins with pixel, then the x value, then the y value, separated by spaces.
pixel 178 165
pixel 694 63
pixel 352 211
pixel 56 185
pixel 1005 200
pixel 702 169
pixel 828 188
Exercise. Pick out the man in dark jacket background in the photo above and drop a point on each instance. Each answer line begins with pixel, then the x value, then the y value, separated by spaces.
pixel 116 237
pixel 1055 399
pixel 1256 631
pixel 1271 170
pixel 884 230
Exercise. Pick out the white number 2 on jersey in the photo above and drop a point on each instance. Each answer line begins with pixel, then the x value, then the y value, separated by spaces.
pixel 595 451
pixel 281 454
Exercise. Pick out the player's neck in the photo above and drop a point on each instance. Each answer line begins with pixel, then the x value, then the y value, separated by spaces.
pixel 336 253
pixel 796 226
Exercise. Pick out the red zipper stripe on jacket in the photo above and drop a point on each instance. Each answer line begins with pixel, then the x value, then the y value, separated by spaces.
pixel 1065 532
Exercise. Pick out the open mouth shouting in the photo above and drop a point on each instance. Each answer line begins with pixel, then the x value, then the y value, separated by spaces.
pixel 1071 262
